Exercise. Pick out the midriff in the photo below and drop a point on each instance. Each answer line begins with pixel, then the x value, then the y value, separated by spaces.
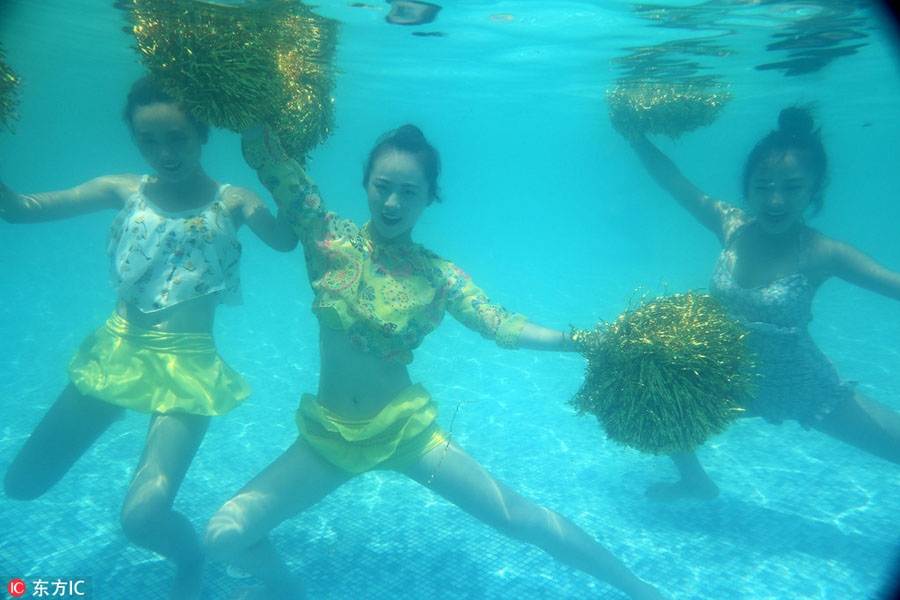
pixel 354 383
pixel 193 316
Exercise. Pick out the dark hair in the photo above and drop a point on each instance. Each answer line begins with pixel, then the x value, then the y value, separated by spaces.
pixel 410 139
pixel 144 92
pixel 795 133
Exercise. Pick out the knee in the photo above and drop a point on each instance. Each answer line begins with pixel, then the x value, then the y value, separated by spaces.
pixel 140 519
pixel 21 486
pixel 522 520
pixel 223 538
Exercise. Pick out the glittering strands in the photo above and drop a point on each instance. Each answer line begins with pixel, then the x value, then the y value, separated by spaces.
pixel 666 375
pixel 232 66
pixel 9 83
pixel 672 109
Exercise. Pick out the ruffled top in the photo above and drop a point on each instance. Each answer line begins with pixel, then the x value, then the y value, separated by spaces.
pixel 386 296
pixel 160 258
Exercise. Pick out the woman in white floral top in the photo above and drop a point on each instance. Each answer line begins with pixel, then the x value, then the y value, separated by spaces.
pixel 174 256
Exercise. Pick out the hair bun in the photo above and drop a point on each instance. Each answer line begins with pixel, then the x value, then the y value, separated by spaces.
pixel 409 133
pixel 795 121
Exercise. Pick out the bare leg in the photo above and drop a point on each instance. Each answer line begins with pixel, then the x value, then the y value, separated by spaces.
pixel 693 483
pixel 69 428
pixel 236 534
pixel 147 516
pixel 867 425
pixel 460 479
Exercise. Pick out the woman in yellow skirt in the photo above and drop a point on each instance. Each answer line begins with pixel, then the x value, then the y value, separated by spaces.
pixel 174 257
pixel 377 295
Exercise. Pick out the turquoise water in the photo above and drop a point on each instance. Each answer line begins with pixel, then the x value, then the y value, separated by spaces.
pixel 547 209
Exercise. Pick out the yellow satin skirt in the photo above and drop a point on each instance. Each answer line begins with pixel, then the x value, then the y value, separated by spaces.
pixel 153 371
pixel 394 439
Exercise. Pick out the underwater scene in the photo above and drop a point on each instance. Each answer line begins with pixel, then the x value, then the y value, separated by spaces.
pixel 665 234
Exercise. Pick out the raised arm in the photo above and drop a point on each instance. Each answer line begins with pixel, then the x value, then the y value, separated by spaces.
pixel 275 232
pixel 851 265
pixel 298 198
pixel 717 216
pixel 107 192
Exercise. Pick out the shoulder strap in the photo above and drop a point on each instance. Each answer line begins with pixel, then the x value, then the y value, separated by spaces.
pixel 139 191
pixel 805 240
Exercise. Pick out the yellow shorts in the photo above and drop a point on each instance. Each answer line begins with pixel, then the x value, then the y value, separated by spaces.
pixel 154 371
pixel 394 439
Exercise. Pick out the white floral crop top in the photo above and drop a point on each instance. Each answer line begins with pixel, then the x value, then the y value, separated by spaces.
pixel 160 258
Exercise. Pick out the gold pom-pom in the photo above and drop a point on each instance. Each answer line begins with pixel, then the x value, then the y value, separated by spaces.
pixel 672 109
pixel 9 99
pixel 232 66
pixel 666 375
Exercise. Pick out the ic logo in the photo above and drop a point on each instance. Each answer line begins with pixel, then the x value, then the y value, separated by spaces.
pixel 16 588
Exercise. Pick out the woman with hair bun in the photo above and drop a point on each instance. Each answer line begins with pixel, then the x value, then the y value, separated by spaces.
pixel 377 295
pixel 771 265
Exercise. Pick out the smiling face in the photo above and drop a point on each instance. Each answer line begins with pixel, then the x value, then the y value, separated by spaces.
pixel 169 141
pixel 779 191
pixel 398 193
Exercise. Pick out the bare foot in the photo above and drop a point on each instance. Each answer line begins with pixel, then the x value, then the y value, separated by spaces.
pixel 694 489
pixel 188 582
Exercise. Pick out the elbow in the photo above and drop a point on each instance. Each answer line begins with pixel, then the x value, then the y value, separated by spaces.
pixel 14 214
pixel 16 208
pixel 288 247
pixel 286 244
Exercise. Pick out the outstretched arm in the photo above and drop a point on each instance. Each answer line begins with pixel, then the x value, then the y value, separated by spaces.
pixel 535 337
pixel 101 193
pixel 715 215
pixel 471 306
pixel 853 266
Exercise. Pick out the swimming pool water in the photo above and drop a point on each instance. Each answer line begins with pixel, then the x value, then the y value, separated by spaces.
pixel 549 212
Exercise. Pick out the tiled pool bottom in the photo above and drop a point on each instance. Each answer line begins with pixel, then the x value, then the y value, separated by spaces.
pixel 789 523
pixel 800 515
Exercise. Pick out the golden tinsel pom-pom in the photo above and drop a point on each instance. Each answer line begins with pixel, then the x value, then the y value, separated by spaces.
pixel 9 100
pixel 666 375
pixel 232 66
pixel 671 109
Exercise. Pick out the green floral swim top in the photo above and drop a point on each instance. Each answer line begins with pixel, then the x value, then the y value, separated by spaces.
pixel 386 296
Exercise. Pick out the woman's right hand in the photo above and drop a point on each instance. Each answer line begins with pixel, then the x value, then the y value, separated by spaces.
pixel 254 132
pixel 638 139
pixel 260 146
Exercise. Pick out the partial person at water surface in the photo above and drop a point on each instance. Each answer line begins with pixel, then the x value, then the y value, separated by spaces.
pixel 377 295
pixel 771 265
pixel 174 257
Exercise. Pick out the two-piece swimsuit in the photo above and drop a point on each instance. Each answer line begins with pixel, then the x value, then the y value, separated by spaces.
pixel 159 259
pixel 386 297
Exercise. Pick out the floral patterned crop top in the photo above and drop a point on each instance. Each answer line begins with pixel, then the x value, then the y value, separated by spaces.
pixel 160 258
pixel 386 296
